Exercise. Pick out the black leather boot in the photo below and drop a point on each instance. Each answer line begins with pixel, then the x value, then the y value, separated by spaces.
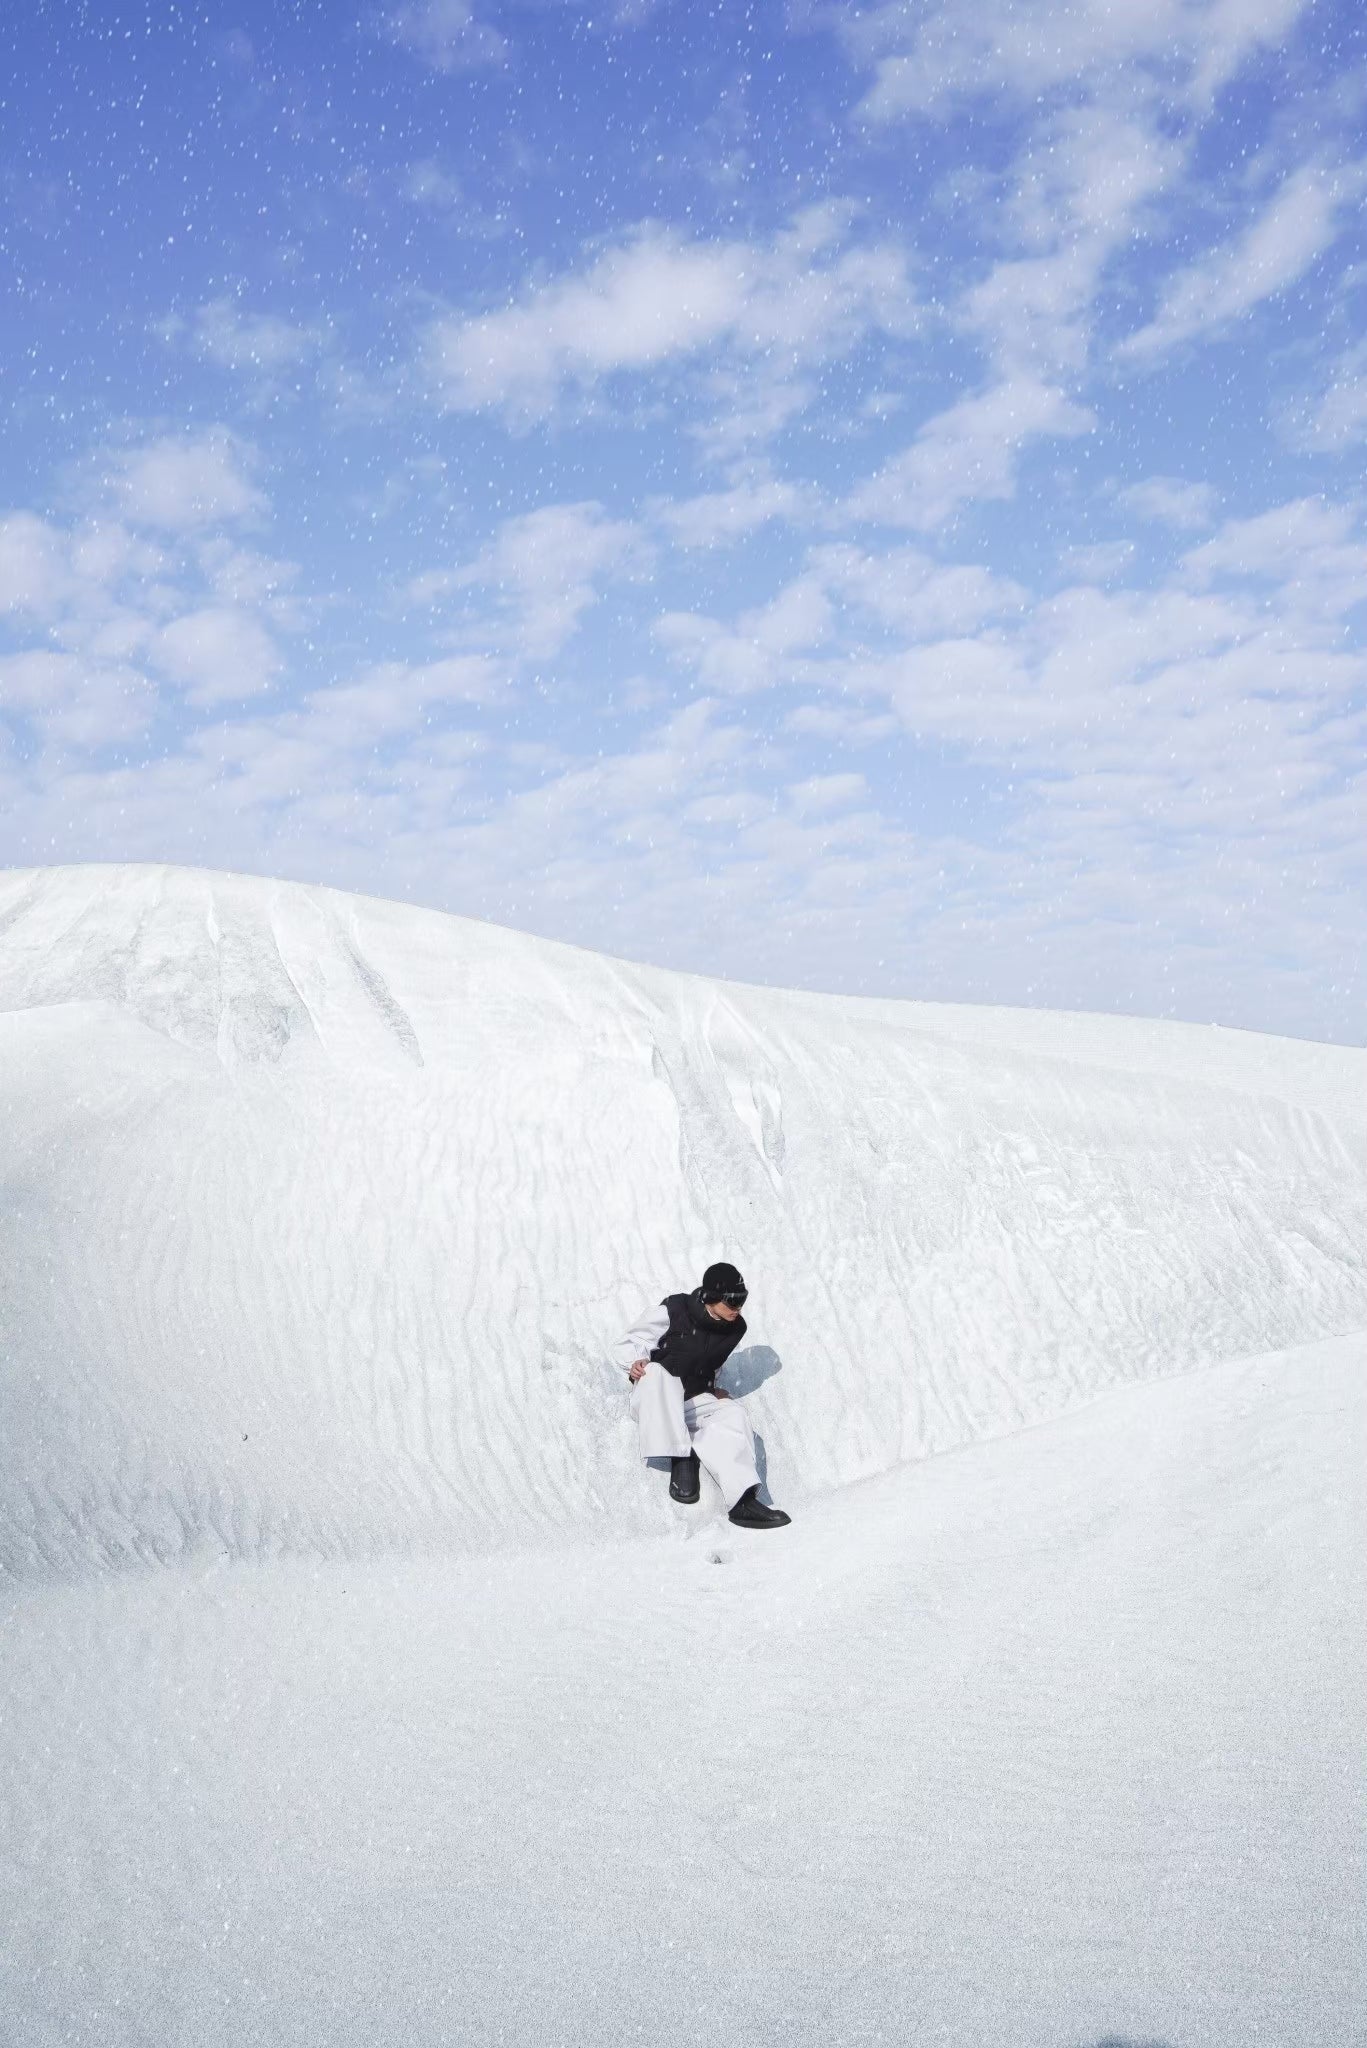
pixel 683 1479
pixel 751 1513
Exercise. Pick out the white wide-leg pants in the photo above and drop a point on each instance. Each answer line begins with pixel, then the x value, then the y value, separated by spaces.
pixel 717 1430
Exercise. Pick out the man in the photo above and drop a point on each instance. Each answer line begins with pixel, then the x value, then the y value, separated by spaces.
pixel 673 1354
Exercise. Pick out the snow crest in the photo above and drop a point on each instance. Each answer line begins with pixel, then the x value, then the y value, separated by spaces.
pixel 319 1212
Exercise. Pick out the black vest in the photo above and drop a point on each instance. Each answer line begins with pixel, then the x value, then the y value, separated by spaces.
pixel 696 1345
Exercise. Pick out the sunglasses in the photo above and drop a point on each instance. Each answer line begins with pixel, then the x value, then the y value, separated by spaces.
pixel 734 1297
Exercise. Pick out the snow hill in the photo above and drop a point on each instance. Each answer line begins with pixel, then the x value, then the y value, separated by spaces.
pixel 442 1724
pixel 318 1213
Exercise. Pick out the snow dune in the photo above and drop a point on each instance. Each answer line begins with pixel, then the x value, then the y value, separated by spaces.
pixel 361 1687
pixel 319 1211
pixel 1052 1742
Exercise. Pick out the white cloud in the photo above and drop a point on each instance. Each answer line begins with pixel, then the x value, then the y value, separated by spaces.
pixel 903 588
pixel 819 795
pixel 966 454
pixel 929 60
pixel 180 483
pixel 1171 500
pixel 1336 418
pixel 58 576
pixel 36 679
pixel 658 298
pixel 196 607
pixel 1277 248
pixel 1310 551
pixel 1033 312
pixel 73 700
pixel 34 574
pixel 1177 755
pixel 1091 171
pixel 952 687
pixel 1084 180
pixel 746 404
pixel 845 724
pixel 821 618
pixel 429 184
pixel 1176 758
pixel 717 517
pixel 1103 561
pixel 218 654
pixel 1101 87
pixel 1235 669
pixel 240 576
pixel 637 306
pixel 766 646
pixel 103 553
pixel 236 340
pixel 445 35
pixel 394 696
pixel 539 575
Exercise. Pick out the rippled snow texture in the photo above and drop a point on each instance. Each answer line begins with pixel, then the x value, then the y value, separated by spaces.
pixel 318 1213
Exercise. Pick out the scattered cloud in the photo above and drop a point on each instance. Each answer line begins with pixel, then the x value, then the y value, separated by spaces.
pixel 845 607
pixel 1085 180
pixel 966 454
pixel 1312 553
pixel 720 654
pixel 240 576
pixel 659 297
pixel 931 60
pixel 1202 706
pixel 537 577
pixel 821 794
pixel 1208 297
pixel 219 655
pixel 446 35
pixel 34 572
pixel 746 406
pixel 904 590
pixel 50 574
pixel 183 482
pixel 117 606
pixel 1140 731
pixel 262 344
pixel 1171 501
pixel 1335 418
pixel 766 646
pixel 1144 731
pixel 1103 561
pixel 73 701
pixel 395 697
pixel 717 517
pixel 429 184
pixel 842 724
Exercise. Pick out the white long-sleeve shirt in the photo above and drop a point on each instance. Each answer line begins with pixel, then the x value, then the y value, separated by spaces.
pixel 640 1340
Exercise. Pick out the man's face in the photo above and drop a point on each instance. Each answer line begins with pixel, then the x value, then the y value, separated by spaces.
pixel 722 1310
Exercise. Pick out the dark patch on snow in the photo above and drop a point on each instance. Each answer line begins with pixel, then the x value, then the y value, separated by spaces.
pixel 393 1012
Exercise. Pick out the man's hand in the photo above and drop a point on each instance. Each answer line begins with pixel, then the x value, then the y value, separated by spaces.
pixel 636 1371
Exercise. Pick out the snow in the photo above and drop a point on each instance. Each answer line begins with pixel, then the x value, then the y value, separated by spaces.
pixel 362 1686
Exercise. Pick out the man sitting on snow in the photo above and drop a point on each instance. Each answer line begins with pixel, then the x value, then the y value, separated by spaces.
pixel 673 1354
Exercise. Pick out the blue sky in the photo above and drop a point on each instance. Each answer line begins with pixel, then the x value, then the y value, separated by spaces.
pixel 866 499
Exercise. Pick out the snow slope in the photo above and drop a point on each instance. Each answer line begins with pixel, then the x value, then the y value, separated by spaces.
pixel 361 1687
pixel 317 1214
pixel 1053 1742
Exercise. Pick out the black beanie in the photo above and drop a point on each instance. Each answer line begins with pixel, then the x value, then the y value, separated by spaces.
pixel 720 1279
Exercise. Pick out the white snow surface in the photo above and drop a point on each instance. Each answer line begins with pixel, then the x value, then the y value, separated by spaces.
pixel 361 1685
pixel 319 1212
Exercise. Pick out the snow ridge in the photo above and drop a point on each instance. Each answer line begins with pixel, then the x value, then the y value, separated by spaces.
pixel 318 1212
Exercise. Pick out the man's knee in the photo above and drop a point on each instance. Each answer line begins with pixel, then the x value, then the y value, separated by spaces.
pixel 729 1415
